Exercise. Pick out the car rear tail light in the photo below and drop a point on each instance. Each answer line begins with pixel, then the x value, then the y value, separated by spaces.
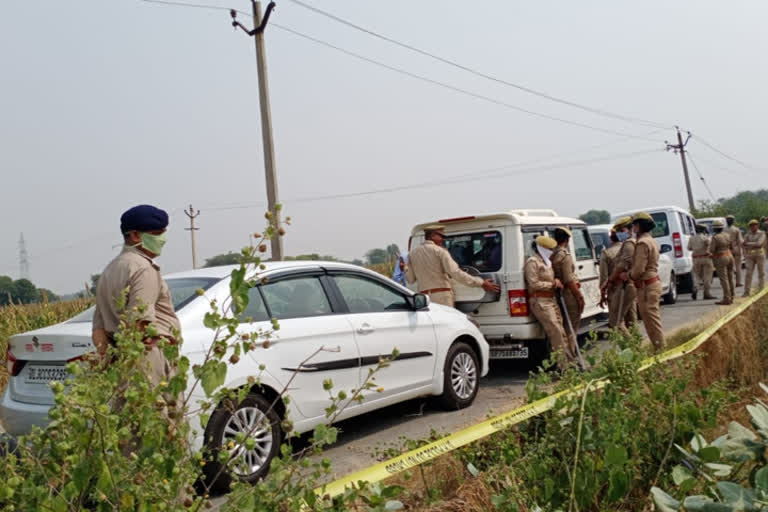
pixel 518 303
pixel 14 366
pixel 677 242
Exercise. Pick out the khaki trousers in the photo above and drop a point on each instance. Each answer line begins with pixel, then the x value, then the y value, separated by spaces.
pixel 737 267
pixel 546 311
pixel 648 299
pixel 614 295
pixel 753 260
pixel 628 314
pixel 574 314
pixel 444 298
pixel 724 269
pixel 703 270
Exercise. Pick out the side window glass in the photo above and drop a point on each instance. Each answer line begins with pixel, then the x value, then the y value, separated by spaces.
pixel 582 245
pixel 528 238
pixel 256 310
pixel 367 296
pixel 683 223
pixel 296 298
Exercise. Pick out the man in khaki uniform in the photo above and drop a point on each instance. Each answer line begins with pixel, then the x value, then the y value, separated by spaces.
pixel 432 266
pixel 703 268
pixel 143 229
pixel 542 285
pixel 720 248
pixel 737 240
pixel 645 274
pixel 754 242
pixel 608 259
pixel 565 271
pixel 624 293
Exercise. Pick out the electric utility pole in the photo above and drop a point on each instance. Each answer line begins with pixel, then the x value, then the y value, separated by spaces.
pixel 192 214
pixel 680 148
pixel 260 23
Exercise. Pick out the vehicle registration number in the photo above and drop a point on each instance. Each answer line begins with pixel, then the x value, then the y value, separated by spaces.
pixel 38 374
pixel 521 353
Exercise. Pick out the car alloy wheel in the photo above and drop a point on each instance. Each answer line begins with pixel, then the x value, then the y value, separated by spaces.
pixel 463 375
pixel 253 423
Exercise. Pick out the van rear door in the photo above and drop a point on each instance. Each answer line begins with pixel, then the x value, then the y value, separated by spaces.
pixel 479 253
pixel 587 270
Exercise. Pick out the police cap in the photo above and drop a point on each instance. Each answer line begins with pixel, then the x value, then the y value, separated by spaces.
pixel 754 222
pixel 622 223
pixel 730 217
pixel 143 217
pixel 718 224
pixel 546 242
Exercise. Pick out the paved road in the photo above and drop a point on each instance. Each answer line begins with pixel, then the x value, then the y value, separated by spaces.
pixel 502 390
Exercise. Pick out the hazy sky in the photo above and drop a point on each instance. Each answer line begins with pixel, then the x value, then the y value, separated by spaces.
pixel 109 103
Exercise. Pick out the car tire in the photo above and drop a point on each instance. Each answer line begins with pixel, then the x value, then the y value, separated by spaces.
pixel 254 414
pixel 671 295
pixel 461 377
pixel 539 351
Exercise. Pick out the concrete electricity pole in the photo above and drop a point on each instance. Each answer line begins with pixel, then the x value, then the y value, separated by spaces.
pixel 192 216
pixel 680 147
pixel 260 23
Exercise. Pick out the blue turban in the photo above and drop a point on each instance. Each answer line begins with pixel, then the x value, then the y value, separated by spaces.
pixel 143 218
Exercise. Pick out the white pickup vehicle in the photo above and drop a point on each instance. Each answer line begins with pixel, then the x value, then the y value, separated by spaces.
pixel 495 246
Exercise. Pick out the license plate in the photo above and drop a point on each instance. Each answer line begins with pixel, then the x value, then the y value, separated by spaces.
pixel 38 374
pixel 521 353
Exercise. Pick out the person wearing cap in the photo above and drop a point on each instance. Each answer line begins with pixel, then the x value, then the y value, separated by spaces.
pixel 608 260
pixel 703 269
pixel 737 240
pixel 542 285
pixel 645 274
pixel 565 271
pixel 619 287
pixel 432 266
pixel 754 242
pixel 720 249
pixel 144 232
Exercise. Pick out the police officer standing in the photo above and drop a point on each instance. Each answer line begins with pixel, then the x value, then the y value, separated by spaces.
pixel 542 285
pixel 703 268
pixel 720 248
pixel 607 265
pixel 624 291
pixel 736 244
pixel 565 271
pixel 754 242
pixel 645 274
pixel 432 266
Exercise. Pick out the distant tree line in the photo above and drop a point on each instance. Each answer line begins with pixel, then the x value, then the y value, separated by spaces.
pixel 23 291
pixel 372 257
pixel 745 206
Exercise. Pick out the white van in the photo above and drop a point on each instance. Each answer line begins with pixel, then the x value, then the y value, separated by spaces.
pixel 674 226
pixel 504 319
pixel 707 221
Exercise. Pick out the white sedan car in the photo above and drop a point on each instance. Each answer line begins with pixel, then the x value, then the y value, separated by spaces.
pixel 354 314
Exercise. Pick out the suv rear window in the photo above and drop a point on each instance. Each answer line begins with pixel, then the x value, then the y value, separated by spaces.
pixel 479 250
pixel 662 225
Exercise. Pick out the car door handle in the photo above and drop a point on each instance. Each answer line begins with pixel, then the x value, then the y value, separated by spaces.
pixel 365 329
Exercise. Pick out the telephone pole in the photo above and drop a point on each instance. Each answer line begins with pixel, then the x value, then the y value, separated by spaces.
pixel 192 216
pixel 23 258
pixel 680 148
pixel 260 23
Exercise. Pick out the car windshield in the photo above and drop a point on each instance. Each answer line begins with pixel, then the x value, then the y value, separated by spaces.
pixel 600 240
pixel 479 250
pixel 662 225
pixel 183 291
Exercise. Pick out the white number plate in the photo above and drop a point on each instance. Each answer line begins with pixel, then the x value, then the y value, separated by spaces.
pixel 510 354
pixel 39 374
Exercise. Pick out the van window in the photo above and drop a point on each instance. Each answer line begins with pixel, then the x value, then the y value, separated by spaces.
pixel 528 237
pixel 662 225
pixel 479 250
pixel 582 244
pixel 692 224
pixel 684 224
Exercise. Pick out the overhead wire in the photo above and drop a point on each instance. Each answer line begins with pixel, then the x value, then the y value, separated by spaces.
pixel 724 154
pixel 701 176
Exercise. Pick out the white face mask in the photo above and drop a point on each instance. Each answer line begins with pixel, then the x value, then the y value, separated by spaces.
pixel 545 255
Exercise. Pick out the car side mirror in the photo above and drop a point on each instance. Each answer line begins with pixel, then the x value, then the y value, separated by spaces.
pixel 418 301
pixel 666 248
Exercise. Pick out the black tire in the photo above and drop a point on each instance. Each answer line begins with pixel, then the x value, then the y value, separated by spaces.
pixel 687 283
pixel 671 295
pixel 461 372
pixel 218 432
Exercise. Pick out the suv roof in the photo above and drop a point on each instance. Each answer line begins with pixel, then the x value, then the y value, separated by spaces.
pixel 651 210
pixel 522 217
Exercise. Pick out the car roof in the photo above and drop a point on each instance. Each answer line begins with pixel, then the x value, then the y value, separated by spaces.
pixel 709 219
pixel 270 267
pixel 521 217
pixel 655 209
pixel 599 228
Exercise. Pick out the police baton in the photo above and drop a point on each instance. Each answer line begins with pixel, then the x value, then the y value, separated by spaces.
pixel 571 331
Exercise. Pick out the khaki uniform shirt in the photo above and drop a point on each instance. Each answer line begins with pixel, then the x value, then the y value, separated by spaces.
pixel 720 243
pixel 608 260
pixel 562 264
pixel 736 238
pixel 626 254
pixel 538 276
pixel 136 271
pixel 646 262
pixel 754 242
pixel 699 244
pixel 433 267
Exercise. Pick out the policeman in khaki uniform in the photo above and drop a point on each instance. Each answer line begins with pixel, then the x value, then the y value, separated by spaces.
pixel 542 285
pixel 720 248
pixel 736 244
pixel 433 267
pixel 645 274
pixel 703 268
pixel 608 259
pixel 565 271
pixel 619 286
pixel 754 253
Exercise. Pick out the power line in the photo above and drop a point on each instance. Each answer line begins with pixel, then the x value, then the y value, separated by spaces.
pixel 724 154
pixel 473 71
pixel 690 157
pixel 194 5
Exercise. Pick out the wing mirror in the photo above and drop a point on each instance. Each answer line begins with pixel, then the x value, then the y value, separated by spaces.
pixel 666 248
pixel 418 301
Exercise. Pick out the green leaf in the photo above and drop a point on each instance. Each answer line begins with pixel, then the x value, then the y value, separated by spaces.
pixel 738 431
pixel 710 454
pixel 394 505
pixel 473 470
pixel 759 416
pixel 680 474
pixel 720 470
pixel 663 501
pixel 734 494
pixel 761 479
pixel 619 485
pixel 704 504
pixel 615 455
pixel 213 376
pixel 698 442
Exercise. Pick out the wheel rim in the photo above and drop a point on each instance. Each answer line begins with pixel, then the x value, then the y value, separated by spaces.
pixel 673 285
pixel 253 423
pixel 463 375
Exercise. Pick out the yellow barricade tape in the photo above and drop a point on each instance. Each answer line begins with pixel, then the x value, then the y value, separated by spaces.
pixel 413 458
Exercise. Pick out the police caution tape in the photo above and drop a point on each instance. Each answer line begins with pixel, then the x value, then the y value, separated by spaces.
pixel 431 451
